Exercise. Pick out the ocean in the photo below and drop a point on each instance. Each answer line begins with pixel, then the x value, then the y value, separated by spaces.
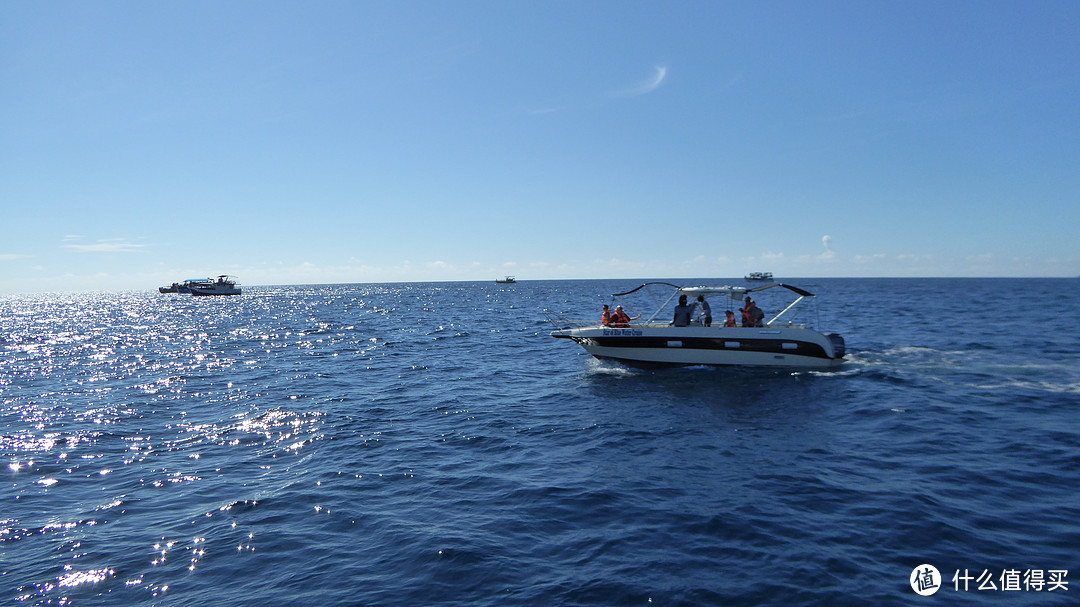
pixel 431 444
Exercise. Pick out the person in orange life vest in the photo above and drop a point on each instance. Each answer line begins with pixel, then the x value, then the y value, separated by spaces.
pixel 605 318
pixel 730 322
pixel 621 318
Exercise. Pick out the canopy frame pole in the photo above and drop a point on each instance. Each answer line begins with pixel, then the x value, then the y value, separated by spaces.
pixel 662 306
pixel 784 311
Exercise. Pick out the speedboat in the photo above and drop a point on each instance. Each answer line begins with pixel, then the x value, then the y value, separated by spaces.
pixel 224 285
pixel 777 342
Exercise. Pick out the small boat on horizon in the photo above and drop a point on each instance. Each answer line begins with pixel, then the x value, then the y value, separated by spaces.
pixel 509 280
pixel 224 285
pixel 759 276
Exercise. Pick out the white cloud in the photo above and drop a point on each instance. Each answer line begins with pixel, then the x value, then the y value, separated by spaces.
pixel 828 254
pixel 876 257
pixel 105 247
pixel 111 245
pixel 649 85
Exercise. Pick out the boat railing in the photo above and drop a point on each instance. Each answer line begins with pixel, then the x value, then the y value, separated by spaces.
pixel 716 325
pixel 561 321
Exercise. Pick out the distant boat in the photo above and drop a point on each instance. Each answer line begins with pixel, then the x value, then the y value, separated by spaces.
pixel 759 276
pixel 509 280
pixel 224 285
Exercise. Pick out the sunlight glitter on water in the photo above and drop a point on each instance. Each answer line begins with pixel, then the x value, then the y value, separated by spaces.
pixel 92 576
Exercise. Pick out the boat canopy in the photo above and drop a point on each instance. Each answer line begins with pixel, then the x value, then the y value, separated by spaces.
pixel 719 290
pixel 733 291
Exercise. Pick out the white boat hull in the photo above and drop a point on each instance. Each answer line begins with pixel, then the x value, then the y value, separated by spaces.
pixel 215 290
pixel 783 346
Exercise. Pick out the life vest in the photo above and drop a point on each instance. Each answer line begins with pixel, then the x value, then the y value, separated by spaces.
pixel 606 318
pixel 730 322
pixel 620 318
pixel 756 316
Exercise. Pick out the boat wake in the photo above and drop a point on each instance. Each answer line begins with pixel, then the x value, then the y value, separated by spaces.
pixel 610 368
pixel 980 370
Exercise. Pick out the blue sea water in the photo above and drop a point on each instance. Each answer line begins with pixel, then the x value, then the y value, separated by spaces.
pixel 430 444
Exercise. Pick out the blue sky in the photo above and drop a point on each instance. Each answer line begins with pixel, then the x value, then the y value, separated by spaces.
pixel 347 141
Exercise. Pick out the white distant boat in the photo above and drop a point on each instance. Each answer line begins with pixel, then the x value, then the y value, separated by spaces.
pixel 759 276
pixel 774 343
pixel 224 285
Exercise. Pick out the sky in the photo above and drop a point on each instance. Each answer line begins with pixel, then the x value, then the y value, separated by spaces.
pixel 298 142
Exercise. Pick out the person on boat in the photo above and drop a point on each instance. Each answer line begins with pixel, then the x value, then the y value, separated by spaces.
pixel 752 315
pixel 730 322
pixel 706 310
pixel 621 319
pixel 682 313
pixel 605 318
